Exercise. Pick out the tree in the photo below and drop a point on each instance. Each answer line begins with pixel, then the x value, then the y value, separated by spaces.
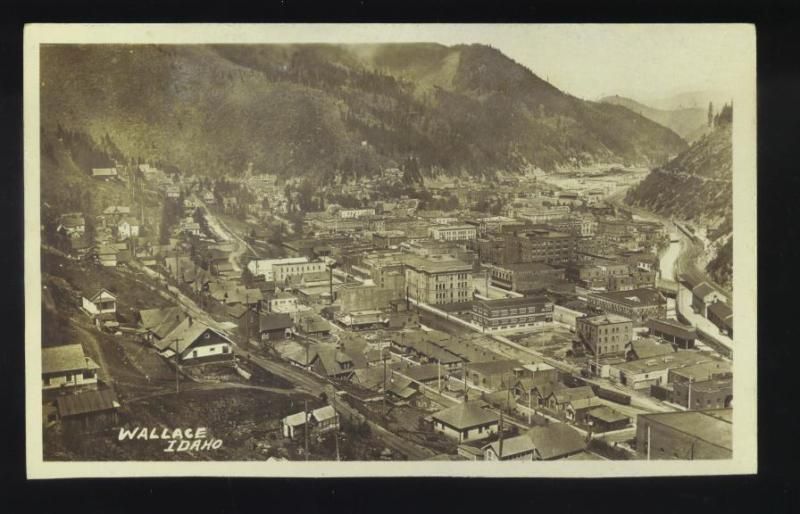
pixel 710 114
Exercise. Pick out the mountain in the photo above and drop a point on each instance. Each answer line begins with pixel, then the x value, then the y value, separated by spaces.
pixel 328 111
pixel 690 99
pixel 697 187
pixel 689 123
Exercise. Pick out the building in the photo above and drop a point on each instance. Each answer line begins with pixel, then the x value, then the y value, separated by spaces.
pixel 559 399
pixel 319 421
pixel 510 313
pixel 265 266
pixel 275 327
pixel 467 421
pixel 67 366
pixel 654 371
pixel 493 375
pixel 606 419
pixel 282 302
pixel 194 342
pixel 355 213
pixel 359 320
pixel 88 411
pixel 514 448
pixel 541 245
pixel 605 334
pixel 104 173
pixel 646 348
pixel 102 302
pixel 704 295
pixel 524 276
pixel 672 331
pixel 454 232
pixel 706 394
pixel 636 304
pixel 577 410
pixel 127 228
pixel 438 279
pixel 72 225
pixel 688 435
pixel 555 441
pixel 721 316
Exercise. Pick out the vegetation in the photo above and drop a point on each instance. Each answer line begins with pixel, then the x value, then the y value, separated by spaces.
pixel 337 112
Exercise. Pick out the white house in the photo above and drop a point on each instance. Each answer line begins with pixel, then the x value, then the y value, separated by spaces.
pixel 466 422
pixel 67 366
pixel 193 340
pixel 102 302
pixel 319 420
pixel 127 228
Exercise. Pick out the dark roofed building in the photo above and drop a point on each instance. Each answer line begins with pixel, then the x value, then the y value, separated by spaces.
pixel 636 304
pixel 275 326
pixel 721 315
pixel 555 441
pixel 686 435
pixel 673 331
pixel 88 411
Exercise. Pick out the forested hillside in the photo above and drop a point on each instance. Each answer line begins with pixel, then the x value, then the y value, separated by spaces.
pixel 327 111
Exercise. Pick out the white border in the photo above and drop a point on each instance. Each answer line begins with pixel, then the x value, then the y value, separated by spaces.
pixel 744 220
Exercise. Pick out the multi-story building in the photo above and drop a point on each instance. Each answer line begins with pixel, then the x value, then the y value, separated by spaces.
pixel 438 279
pixel 453 232
pixel 524 276
pixel 605 334
pixel 541 245
pixel 506 313
pixel 636 304
pixel 355 213
pixel 577 225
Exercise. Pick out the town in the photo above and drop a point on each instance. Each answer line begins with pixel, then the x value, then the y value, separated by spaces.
pixel 528 317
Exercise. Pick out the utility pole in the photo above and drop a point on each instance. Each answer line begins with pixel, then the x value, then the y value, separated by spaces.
pixel 384 382
pixel 648 442
pixel 689 399
pixel 336 421
pixel 305 427
pixel 177 367
pixel 500 457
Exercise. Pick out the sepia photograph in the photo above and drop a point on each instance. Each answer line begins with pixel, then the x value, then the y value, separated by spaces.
pixel 390 249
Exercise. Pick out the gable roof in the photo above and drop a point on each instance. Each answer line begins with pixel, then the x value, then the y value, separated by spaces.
pixel 87 402
pixel 512 446
pixel 68 357
pixel 702 290
pixel 556 440
pixel 494 367
pixel 466 415
pixel 185 334
pixel 571 394
pixel 274 322
pixel 98 295
pixel 721 311
pixel 646 348
pixel 151 318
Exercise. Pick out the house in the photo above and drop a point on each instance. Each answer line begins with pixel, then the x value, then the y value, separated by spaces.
pixel 319 421
pixel 194 341
pixel 467 421
pixel 126 228
pixel 560 398
pixel 687 435
pixel 333 363
pixel 72 225
pixel 282 302
pixel 606 419
pixel 312 325
pixel 88 411
pixel 721 315
pixel 704 295
pixel 531 392
pixel 401 389
pixel 576 410
pixel 67 366
pixel 514 448
pixel 555 441
pixel 157 323
pixel 646 348
pixel 102 302
pixel 275 326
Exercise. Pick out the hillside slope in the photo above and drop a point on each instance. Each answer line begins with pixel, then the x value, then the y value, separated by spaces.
pixel 697 187
pixel 327 110
pixel 689 123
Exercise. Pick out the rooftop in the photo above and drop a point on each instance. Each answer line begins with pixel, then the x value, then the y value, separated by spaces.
pixel 712 426
pixel 512 446
pixel 556 440
pixel 69 357
pixel 466 415
pixel 87 402
pixel 604 319
pixel 634 298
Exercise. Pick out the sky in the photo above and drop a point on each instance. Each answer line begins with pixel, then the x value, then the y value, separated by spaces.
pixel 644 62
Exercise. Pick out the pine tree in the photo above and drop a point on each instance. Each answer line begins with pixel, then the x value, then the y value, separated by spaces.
pixel 710 114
